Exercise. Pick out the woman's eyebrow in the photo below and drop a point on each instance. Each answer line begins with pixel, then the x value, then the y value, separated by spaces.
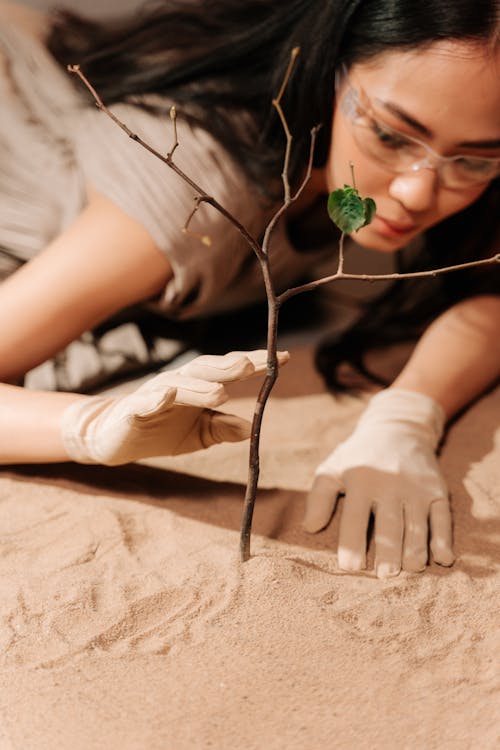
pixel 405 117
pixel 410 120
pixel 494 143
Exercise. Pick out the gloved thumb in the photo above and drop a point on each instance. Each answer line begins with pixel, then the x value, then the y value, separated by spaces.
pixel 141 405
pixel 321 502
pixel 226 428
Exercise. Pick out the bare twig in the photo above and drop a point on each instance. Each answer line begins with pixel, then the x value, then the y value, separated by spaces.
pixel 205 239
pixel 353 178
pixel 262 252
pixel 273 306
pixel 286 203
pixel 383 276
pixel 173 117
pixel 204 196
pixel 277 104
pixel 340 266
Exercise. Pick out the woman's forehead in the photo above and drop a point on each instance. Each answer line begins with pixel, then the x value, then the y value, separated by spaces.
pixel 457 79
pixel 451 62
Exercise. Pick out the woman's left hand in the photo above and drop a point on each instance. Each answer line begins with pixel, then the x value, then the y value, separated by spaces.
pixel 387 467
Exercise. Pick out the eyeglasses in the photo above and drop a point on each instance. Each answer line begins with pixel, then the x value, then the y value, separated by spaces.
pixel 402 153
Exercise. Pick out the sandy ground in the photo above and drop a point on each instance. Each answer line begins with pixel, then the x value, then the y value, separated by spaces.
pixel 126 621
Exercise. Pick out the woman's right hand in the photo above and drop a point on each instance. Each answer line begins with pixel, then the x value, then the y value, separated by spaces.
pixel 173 412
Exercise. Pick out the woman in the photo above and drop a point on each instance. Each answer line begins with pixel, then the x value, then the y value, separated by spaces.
pixel 416 109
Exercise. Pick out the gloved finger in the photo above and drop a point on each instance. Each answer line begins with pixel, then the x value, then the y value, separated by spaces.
pixel 389 529
pixel 258 358
pixel 321 502
pixel 416 524
pixel 223 428
pixel 229 367
pixel 219 368
pixel 190 391
pixel 353 530
pixel 441 532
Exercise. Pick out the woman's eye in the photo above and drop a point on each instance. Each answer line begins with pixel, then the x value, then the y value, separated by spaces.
pixel 388 137
pixel 476 166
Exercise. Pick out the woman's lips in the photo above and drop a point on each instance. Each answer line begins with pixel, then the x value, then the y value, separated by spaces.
pixel 392 228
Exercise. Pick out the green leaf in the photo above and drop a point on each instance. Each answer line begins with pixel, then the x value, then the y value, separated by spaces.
pixel 370 208
pixel 348 211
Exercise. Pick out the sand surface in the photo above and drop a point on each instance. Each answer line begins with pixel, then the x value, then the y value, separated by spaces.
pixel 126 621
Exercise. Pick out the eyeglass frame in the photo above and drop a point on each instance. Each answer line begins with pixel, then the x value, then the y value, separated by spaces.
pixel 351 106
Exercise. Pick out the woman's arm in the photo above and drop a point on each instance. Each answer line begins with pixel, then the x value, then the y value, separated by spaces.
pixel 30 421
pixel 104 262
pixel 458 356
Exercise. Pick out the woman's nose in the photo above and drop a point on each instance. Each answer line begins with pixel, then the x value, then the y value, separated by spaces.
pixel 415 190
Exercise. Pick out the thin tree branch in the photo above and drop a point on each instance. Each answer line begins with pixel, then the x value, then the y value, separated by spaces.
pixel 340 267
pixel 254 244
pixel 173 117
pixel 283 208
pixel 277 104
pixel 205 239
pixel 264 393
pixel 383 276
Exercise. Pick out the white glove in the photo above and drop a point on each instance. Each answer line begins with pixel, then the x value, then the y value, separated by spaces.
pixel 171 413
pixel 387 467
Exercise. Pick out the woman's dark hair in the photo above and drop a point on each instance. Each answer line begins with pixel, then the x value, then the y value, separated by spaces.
pixel 222 61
